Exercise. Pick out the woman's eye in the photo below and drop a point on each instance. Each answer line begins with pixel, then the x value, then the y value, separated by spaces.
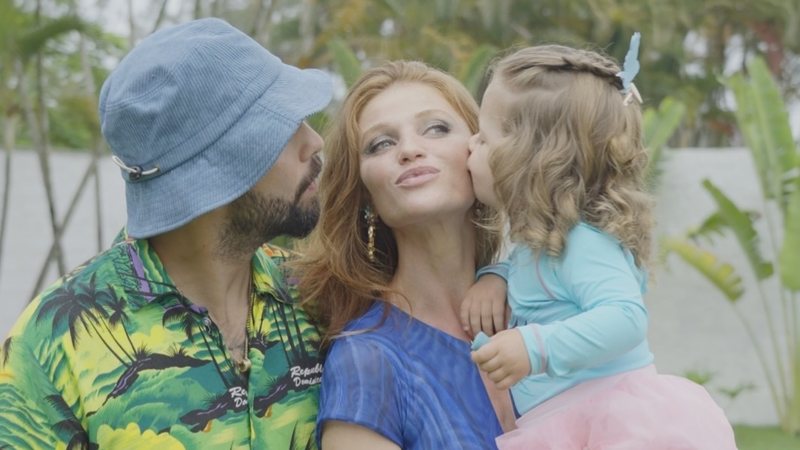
pixel 378 145
pixel 437 128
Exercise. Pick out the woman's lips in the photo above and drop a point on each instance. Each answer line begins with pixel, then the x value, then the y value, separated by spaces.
pixel 416 176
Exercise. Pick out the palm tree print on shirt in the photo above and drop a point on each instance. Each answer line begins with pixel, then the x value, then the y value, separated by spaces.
pixel 113 353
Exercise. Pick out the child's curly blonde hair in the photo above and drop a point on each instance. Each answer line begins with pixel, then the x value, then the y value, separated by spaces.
pixel 571 150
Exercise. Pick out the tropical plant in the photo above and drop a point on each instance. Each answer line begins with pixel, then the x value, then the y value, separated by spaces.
pixel 53 89
pixel 659 125
pixel 764 124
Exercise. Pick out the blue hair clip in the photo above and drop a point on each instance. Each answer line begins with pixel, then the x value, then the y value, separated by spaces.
pixel 630 68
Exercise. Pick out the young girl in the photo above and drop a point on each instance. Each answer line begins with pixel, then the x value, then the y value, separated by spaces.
pixel 560 152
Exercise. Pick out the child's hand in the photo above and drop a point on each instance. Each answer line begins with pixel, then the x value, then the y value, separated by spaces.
pixel 484 307
pixel 504 358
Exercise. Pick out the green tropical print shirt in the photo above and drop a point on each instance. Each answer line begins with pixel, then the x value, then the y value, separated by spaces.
pixel 112 356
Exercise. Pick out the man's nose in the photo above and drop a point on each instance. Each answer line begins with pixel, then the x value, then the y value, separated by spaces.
pixel 312 143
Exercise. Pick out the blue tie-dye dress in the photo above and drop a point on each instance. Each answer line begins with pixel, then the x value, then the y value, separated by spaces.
pixel 410 382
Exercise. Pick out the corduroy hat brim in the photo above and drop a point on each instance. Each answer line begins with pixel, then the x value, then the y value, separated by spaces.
pixel 212 179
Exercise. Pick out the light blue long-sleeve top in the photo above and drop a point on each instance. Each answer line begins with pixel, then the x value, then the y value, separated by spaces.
pixel 581 315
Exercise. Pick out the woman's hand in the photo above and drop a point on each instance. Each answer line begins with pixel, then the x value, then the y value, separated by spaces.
pixel 484 307
pixel 504 358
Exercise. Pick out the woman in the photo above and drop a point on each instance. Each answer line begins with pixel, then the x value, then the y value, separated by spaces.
pixel 390 262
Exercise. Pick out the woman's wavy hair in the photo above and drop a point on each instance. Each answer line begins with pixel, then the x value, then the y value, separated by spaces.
pixel 571 150
pixel 337 280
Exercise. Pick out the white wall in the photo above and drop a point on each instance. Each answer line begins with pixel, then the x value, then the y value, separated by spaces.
pixel 692 325
pixel 29 234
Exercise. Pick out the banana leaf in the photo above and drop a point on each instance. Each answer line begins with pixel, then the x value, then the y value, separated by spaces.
pixel 790 251
pixel 763 121
pixel 720 274
pixel 471 74
pixel 742 226
pixel 659 126
pixel 713 225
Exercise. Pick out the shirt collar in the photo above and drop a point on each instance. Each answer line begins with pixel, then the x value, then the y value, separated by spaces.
pixel 146 281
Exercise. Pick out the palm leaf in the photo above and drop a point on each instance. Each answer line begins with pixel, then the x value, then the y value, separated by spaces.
pixel 659 126
pixel 31 42
pixel 60 405
pixel 471 74
pixel 790 252
pixel 764 124
pixel 7 345
pixel 772 115
pixel 310 443
pixel 720 274
pixel 293 444
pixel 345 61
pixel 713 225
pixel 742 226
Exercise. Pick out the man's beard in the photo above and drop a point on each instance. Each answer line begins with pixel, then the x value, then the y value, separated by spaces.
pixel 257 218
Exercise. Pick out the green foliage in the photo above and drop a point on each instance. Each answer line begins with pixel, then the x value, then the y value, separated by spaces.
pixel 32 41
pixel 763 122
pixel 472 73
pixel 720 274
pixel 764 438
pixel 700 377
pixel 74 122
pixel 742 226
pixel 790 252
pixel 734 392
pixel 345 61
pixel 659 125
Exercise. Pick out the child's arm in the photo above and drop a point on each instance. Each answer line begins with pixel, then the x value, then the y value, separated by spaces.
pixel 604 286
pixel 484 307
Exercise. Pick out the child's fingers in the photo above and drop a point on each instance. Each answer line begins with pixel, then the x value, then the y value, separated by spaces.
pixel 484 354
pixel 498 374
pixel 494 367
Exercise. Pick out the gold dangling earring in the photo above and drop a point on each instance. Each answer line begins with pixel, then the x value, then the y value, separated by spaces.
pixel 370 218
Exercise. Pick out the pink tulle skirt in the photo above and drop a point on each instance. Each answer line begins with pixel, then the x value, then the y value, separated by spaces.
pixel 636 410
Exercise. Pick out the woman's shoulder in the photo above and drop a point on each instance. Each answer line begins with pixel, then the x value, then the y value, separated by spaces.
pixel 364 359
pixel 368 337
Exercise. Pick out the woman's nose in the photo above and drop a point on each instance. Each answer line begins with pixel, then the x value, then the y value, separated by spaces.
pixel 410 149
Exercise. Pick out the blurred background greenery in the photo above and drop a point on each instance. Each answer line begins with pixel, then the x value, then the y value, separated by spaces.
pixel 700 58
pixel 687 45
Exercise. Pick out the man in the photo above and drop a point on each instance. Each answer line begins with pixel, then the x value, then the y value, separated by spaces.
pixel 184 334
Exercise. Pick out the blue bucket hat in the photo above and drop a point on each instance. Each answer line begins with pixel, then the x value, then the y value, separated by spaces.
pixel 195 115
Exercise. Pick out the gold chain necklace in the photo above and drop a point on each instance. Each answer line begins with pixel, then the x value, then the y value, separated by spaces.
pixel 243 365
